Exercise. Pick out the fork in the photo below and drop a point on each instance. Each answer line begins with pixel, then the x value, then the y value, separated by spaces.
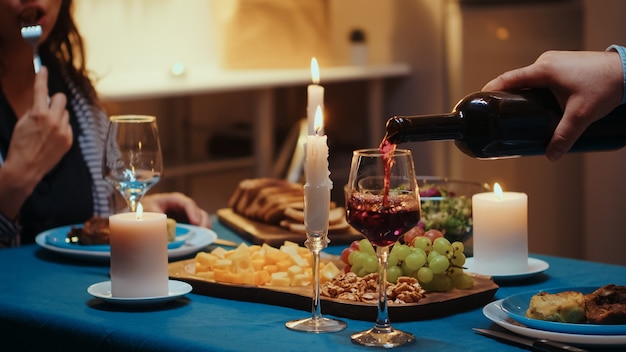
pixel 31 34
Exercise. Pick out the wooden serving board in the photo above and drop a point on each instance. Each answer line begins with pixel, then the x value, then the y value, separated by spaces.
pixel 431 306
pixel 258 232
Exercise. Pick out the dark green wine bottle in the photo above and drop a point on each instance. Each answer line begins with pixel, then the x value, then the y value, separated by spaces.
pixel 490 125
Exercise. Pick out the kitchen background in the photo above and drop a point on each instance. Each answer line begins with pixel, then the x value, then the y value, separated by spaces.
pixel 227 80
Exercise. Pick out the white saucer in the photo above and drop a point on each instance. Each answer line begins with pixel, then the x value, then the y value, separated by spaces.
pixel 535 266
pixel 102 290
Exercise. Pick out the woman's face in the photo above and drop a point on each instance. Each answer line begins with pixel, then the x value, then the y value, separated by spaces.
pixel 14 14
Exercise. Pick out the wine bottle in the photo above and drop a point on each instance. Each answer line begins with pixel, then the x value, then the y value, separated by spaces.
pixel 491 125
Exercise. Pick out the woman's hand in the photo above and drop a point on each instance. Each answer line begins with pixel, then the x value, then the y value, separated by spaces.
pixel 43 135
pixel 178 207
pixel 40 139
pixel 588 85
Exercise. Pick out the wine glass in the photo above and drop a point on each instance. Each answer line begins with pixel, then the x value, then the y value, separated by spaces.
pixel 382 202
pixel 132 156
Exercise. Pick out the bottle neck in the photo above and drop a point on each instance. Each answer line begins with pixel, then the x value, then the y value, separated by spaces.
pixel 423 128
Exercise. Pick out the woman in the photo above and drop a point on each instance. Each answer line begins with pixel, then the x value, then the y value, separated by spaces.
pixel 52 130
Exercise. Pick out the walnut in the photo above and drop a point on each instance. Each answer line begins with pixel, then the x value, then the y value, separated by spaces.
pixel 350 287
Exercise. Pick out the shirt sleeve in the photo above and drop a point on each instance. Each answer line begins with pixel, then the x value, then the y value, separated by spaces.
pixel 622 54
pixel 9 232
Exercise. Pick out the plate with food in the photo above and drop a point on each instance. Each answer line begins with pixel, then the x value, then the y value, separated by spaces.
pixel 282 276
pixel 493 311
pixel 90 239
pixel 574 310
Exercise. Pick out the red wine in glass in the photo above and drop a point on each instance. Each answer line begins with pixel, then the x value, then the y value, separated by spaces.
pixel 382 224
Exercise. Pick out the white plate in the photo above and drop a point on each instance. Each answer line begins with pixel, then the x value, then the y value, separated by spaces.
pixel 493 311
pixel 102 290
pixel 535 266
pixel 195 238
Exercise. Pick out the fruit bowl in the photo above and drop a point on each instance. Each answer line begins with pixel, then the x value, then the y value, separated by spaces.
pixel 447 205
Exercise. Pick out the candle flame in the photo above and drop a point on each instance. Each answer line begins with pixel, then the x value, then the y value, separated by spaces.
pixel 315 71
pixel 318 124
pixel 139 211
pixel 497 190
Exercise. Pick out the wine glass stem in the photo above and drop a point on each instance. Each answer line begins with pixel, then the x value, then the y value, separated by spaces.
pixel 315 245
pixel 133 202
pixel 316 309
pixel 382 319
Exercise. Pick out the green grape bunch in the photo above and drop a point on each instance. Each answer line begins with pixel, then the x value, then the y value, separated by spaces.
pixel 436 264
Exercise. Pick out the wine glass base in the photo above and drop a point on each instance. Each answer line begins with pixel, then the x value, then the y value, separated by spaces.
pixel 316 325
pixel 387 338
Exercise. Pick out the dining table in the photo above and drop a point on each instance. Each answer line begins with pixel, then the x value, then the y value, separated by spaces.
pixel 45 305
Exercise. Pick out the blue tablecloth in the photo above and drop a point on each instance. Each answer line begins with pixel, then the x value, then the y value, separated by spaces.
pixel 44 303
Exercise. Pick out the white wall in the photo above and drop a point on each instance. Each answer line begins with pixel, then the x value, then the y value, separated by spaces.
pixel 148 35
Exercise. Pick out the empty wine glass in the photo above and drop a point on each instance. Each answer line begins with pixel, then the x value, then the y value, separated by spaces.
pixel 132 156
pixel 382 202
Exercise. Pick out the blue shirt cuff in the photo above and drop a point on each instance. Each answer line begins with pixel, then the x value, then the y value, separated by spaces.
pixel 622 54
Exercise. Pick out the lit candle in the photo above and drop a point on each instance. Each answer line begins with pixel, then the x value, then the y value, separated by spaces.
pixel 315 96
pixel 318 183
pixel 500 232
pixel 138 254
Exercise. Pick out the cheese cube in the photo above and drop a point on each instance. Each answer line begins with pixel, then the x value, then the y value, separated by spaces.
pixel 202 268
pixel 206 259
pixel 224 264
pixel 273 255
pixel 257 263
pixel 294 270
pixel 235 278
pixel 280 279
pixel 219 252
pixel 301 280
pixel 249 278
pixel 328 272
pixel 271 268
pixel 292 251
pixel 262 277
pixel 283 265
pixel 220 275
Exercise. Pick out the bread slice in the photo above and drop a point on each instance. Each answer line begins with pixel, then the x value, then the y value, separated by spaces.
pixel 278 202
pixel 274 211
pixel 272 195
pixel 249 189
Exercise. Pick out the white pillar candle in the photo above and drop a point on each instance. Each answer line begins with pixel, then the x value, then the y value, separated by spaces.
pixel 315 96
pixel 500 232
pixel 138 255
pixel 318 183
